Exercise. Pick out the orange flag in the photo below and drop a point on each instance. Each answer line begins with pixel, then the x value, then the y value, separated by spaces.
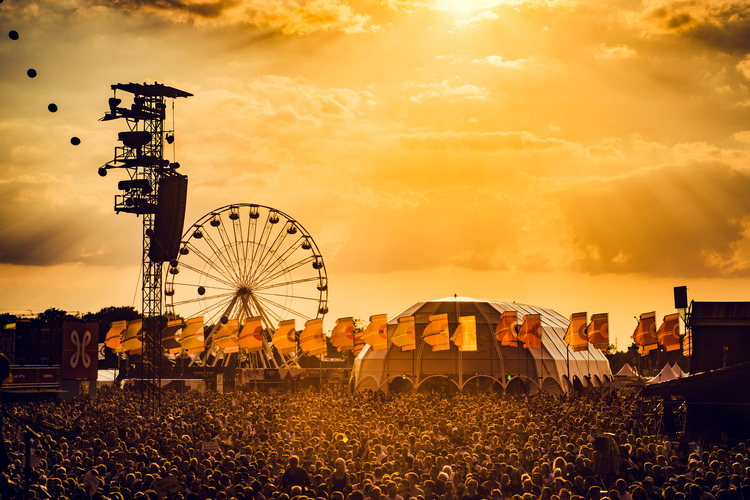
pixel 668 334
pixel 530 332
pixel 505 332
pixel 465 336
pixel 436 333
pixel 598 331
pixel 404 334
pixel 645 333
pixel 575 335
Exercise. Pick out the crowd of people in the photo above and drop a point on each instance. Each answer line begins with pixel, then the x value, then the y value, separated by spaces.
pixel 311 445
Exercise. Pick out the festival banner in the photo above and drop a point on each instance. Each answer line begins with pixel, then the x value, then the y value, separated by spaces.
pixel 80 345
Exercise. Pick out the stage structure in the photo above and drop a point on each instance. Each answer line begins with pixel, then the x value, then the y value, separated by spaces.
pixel 252 276
pixel 464 344
pixel 157 193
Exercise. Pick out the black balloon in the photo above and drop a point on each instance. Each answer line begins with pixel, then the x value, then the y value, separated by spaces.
pixel 52 108
pixel 75 141
pixel 31 73
pixel 13 34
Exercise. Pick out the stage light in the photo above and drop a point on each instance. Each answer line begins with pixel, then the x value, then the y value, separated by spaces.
pixel 31 73
pixel 102 171
pixel 13 34
pixel 136 139
pixel 170 139
pixel 52 107
pixel 201 290
pixel 224 320
pixel 75 141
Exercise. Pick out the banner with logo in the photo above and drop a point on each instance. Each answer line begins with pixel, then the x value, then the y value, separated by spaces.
pixel 80 350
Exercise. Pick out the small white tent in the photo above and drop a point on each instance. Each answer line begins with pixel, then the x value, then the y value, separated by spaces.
pixel 626 371
pixel 678 371
pixel 664 375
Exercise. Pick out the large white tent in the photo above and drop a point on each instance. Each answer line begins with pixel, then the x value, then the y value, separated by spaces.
pixel 552 368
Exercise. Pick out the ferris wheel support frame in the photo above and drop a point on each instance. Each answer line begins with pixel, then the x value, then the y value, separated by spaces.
pixel 260 256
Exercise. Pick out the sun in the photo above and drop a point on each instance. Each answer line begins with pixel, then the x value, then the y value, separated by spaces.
pixel 463 7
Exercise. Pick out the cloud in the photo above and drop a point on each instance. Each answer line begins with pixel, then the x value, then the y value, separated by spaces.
pixel 677 220
pixel 478 141
pixel 199 9
pixel 743 136
pixel 616 52
pixel 487 15
pixel 286 105
pixel 722 25
pixel 744 67
pixel 445 89
pixel 290 18
pixel 65 229
pixel 316 15
pixel 498 62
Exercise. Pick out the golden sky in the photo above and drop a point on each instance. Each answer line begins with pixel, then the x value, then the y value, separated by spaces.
pixel 577 155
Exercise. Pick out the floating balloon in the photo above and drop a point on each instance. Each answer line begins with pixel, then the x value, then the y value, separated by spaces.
pixel 75 141
pixel 13 34
pixel 52 108
pixel 31 73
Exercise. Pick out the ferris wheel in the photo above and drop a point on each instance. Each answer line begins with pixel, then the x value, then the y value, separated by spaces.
pixel 243 261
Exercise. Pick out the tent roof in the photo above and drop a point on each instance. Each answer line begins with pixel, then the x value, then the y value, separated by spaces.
pixel 553 323
pixel 678 371
pixel 626 371
pixel 664 375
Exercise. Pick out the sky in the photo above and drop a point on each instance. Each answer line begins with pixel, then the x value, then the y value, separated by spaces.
pixel 576 155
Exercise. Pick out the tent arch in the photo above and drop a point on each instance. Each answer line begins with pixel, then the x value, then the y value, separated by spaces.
pixel 368 383
pixel 550 385
pixel 401 384
pixel 521 385
pixel 425 383
pixel 493 385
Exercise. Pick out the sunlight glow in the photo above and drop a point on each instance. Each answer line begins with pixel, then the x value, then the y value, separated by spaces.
pixel 463 7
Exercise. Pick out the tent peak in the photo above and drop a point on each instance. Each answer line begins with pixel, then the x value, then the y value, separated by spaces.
pixel 458 298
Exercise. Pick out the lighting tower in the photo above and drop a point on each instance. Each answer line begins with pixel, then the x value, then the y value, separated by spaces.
pixel 155 191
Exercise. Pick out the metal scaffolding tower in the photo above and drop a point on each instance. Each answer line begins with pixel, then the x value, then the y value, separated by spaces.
pixel 142 156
